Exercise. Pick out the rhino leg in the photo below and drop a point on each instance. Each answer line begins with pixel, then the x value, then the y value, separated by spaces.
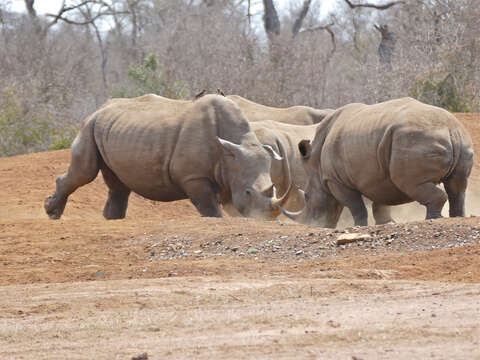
pixel 381 213
pixel 202 194
pixel 352 200
pixel 455 187
pixel 118 193
pixel 429 195
pixel 84 167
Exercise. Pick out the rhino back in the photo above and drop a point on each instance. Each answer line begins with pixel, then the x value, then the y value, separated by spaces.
pixel 296 115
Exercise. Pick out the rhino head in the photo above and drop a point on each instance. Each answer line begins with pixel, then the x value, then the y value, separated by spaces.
pixel 245 169
pixel 321 208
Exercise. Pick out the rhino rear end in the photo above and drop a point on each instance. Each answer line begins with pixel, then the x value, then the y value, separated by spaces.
pixel 84 166
pixel 456 181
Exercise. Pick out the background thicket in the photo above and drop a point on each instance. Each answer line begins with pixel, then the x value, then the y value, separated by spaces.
pixel 57 68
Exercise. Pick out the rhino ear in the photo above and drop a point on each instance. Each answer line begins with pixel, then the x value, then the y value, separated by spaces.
pixel 305 148
pixel 272 152
pixel 228 147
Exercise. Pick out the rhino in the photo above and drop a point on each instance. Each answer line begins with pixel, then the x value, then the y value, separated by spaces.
pixel 203 150
pixel 296 115
pixel 393 153
pixel 288 171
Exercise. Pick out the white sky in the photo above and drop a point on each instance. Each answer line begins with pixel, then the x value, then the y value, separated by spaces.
pixel 42 6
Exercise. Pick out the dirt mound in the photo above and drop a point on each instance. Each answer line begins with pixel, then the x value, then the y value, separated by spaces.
pixel 240 266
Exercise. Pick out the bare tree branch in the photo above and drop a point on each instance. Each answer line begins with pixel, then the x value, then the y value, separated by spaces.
pixel 316 28
pixel 103 49
pixel 301 16
pixel 330 32
pixel 65 9
pixel 86 22
pixel 378 7
pixel 329 56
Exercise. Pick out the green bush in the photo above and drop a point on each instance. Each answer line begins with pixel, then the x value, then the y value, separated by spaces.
pixel 61 142
pixel 148 78
pixel 26 128
pixel 443 93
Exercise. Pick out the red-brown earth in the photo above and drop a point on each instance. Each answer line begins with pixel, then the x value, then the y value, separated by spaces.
pixel 165 283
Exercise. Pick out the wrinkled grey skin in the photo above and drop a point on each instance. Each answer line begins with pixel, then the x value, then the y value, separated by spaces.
pixel 202 150
pixel 284 138
pixel 392 153
pixel 295 115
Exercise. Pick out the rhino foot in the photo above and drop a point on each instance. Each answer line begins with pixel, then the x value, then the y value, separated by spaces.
pixel 54 207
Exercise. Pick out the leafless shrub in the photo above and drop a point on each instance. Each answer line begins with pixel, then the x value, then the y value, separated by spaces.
pixel 65 65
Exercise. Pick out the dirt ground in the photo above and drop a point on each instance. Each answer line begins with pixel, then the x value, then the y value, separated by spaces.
pixel 165 283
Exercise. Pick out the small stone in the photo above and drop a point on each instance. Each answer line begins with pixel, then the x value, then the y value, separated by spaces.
pixel 197 252
pixel 333 324
pixel 143 356
pixel 99 273
pixel 299 252
pixel 234 248
pixel 352 237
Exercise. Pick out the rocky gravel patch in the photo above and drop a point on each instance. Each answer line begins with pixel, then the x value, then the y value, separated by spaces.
pixel 315 243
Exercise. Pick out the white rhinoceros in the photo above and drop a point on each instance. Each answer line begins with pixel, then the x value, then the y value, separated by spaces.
pixel 392 153
pixel 283 138
pixel 169 150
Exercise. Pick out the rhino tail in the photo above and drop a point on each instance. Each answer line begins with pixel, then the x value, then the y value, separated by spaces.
pixel 455 181
pixel 462 157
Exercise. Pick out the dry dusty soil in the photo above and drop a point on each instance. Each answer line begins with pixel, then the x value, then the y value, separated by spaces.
pixel 165 283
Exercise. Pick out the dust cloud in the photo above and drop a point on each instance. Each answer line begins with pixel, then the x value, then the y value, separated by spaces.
pixel 415 212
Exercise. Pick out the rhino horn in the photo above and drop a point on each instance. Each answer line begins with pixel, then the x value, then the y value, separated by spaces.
pixel 291 215
pixel 272 152
pixel 287 175
pixel 302 194
pixel 229 147
pixel 281 200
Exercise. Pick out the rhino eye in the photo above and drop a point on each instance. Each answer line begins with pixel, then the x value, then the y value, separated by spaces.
pixel 248 192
